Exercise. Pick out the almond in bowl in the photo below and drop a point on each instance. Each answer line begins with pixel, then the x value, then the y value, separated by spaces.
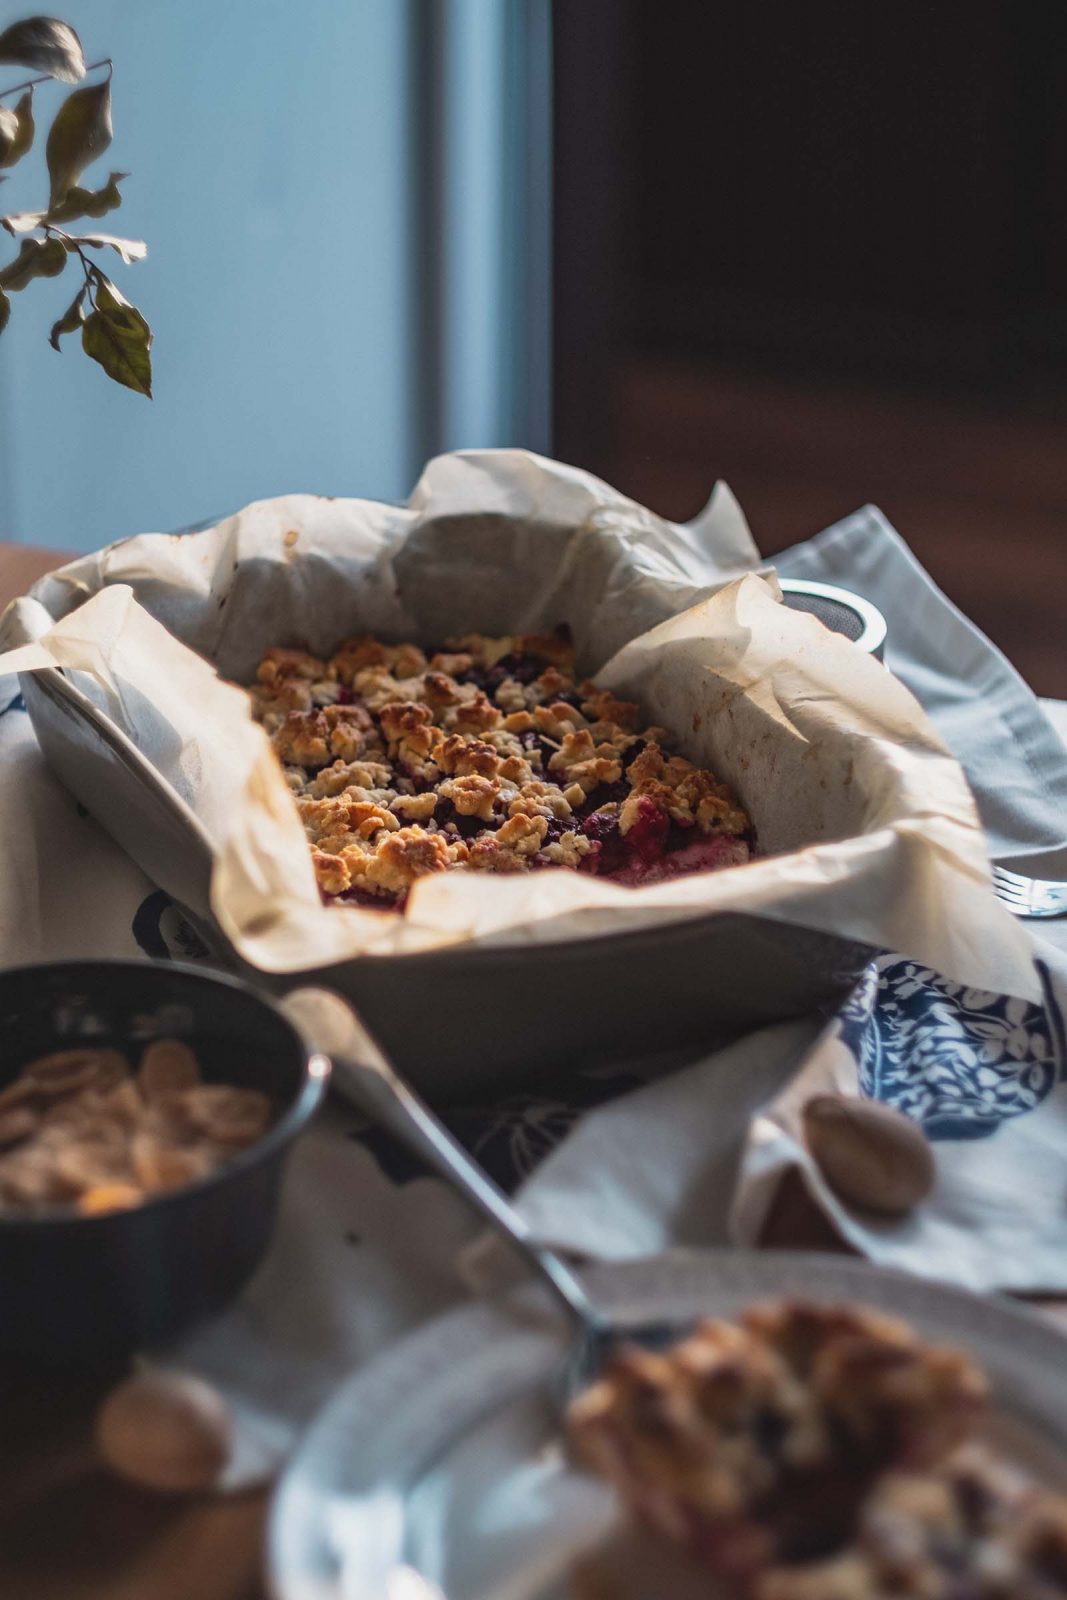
pixel 89 1130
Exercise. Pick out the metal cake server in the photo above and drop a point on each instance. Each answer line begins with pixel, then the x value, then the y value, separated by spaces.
pixel 364 1075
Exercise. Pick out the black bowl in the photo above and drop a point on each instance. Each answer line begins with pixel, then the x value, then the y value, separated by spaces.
pixel 82 1289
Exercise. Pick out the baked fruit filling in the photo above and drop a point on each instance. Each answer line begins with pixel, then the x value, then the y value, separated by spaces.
pixel 487 755
pixel 814 1453
pixel 971 1530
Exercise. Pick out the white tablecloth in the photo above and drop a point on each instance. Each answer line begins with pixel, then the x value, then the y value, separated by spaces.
pixel 367 1246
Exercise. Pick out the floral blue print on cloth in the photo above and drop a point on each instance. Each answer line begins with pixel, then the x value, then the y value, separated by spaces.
pixel 958 1061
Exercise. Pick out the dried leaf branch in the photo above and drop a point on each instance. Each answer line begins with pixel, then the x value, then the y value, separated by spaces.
pixel 114 333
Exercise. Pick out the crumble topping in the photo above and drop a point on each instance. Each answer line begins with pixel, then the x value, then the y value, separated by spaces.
pixel 757 1445
pixel 972 1530
pixel 487 755
pixel 820 1453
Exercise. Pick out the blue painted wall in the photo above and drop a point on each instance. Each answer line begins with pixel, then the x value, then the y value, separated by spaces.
pixel 269 147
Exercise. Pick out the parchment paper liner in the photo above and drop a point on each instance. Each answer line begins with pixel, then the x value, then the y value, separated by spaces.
pixel 836 762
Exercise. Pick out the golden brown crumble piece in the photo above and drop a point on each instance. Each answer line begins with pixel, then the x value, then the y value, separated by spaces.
pixel 553 647
pixel 475 715
pixel 333 873
pixel 972 1528
pixel 600 705
pixel 755 1443
pixel 472 795
pixel 416 807
pixel 579 760
pixel 404 856
pixel 342 775
pixel 280 663
pixel 489 754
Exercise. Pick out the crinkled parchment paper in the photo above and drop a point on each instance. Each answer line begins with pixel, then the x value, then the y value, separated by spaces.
pixel 873 831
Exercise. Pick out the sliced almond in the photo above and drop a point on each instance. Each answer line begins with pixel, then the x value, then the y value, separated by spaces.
pixel 159 1167
pixel 83 1164
pixel 109 1197
pixel 226 1114
pixel 122 1104
pixel 85 1119
pixel 67 1071
pixel 95 1130
pixel 167 1119
pixel 167 1066
pixel 76 1126
pixel 15 1094
pixel 112 1069
pixel 29 1178
pixel 17 1125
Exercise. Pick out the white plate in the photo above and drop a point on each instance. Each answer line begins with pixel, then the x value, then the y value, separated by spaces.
pixel 437 1469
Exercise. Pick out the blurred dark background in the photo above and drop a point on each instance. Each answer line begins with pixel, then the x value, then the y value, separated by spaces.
pixel 821 251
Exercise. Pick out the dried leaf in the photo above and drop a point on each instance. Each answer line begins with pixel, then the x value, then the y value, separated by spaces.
pixel 37 258
pixel 130 250
pixel 81 132
pixel 89 202
pixel 45 44
pixel 22 222
pixel 118 337
pixel 24 131
pixel 9 132
pixel 27 127
pixel 72 318
pixel 5 310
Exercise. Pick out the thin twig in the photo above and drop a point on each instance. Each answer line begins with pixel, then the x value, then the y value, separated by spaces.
pixel 46 77
pixel 88 267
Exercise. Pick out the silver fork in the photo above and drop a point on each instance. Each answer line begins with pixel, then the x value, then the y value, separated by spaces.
pixel 362 1072
pixel 1030 897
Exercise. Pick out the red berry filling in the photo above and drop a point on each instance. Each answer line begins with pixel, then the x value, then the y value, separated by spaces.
pixel 655 848
pixel 516 753
pixel 647 837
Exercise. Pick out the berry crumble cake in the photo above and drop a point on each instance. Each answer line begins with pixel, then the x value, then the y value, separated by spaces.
pixel 758 1446
pixel 970 1529
pixel 488 755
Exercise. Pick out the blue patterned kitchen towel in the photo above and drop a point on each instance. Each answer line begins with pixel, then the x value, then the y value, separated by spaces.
pixel 958 1061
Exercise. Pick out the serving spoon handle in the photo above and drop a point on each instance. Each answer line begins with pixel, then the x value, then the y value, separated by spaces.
pixel 362 1072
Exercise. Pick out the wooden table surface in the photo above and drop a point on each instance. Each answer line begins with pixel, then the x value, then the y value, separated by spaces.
pixel 20 564
pixel 69 1531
